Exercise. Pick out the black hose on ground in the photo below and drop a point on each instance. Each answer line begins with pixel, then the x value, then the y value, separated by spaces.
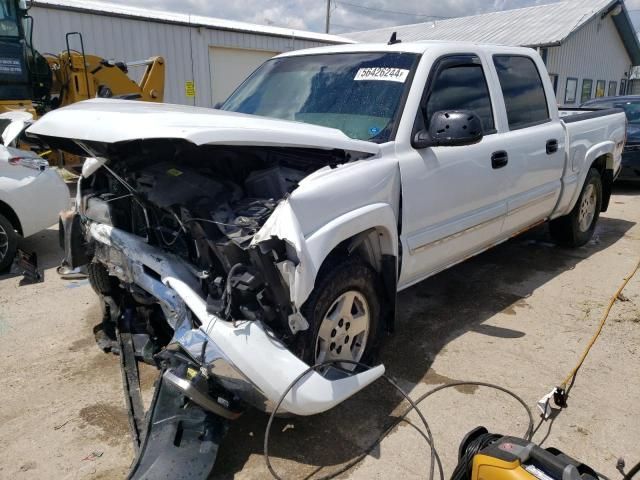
pixel 632 473
pixel 427 435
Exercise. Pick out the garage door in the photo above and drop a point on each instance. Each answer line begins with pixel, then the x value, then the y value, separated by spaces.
pixel 230 66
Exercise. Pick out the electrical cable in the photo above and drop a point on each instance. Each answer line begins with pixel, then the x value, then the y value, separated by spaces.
pixel 465 463
pixel 429 438
pixel 206 220
pixel 396 12
pixel 595 336
pixel 632 473
pixel 476 445
pixel 434 457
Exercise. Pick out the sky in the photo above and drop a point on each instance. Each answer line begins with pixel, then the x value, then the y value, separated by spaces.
pixel 347 15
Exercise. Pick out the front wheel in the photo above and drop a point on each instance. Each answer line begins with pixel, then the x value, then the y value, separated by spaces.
pixel 8 243
pixel 576 228
pixel 343 312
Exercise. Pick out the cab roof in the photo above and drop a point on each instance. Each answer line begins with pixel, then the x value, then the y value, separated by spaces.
pixel 418 47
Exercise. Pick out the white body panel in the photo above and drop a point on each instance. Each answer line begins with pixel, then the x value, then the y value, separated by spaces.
pixel 429 208
pixel 123 120
pixel 36 197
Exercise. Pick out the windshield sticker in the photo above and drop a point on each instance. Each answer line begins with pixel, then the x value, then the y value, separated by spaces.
pixel 388 74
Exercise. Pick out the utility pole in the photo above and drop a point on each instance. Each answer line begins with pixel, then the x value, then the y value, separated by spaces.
pixel 326 26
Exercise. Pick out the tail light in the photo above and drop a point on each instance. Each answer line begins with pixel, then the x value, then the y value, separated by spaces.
pixel 30 162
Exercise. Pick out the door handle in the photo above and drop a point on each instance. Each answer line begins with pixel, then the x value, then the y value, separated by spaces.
pixel 552 146
pixel 499 159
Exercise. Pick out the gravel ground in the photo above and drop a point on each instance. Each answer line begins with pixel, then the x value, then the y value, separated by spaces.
pixel 518 315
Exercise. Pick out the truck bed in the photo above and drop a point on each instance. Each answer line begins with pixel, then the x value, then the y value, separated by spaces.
pixel 570 115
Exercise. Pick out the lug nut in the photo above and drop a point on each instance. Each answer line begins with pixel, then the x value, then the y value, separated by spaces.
pixel 333 333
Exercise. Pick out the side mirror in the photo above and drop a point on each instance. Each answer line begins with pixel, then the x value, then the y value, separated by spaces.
pixel 449 129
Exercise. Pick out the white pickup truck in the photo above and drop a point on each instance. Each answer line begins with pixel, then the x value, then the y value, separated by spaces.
pixel 254 240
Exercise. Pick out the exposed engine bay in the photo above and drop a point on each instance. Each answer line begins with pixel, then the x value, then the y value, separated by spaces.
pixel 205 205
pixel 173 237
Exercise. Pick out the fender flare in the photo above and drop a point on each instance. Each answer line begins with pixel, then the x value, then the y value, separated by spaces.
pixel 603 149
pixel 378 216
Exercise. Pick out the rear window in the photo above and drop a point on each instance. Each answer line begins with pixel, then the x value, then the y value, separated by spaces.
pixel 522 89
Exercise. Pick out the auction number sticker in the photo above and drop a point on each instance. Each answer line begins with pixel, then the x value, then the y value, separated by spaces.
pixel 388 74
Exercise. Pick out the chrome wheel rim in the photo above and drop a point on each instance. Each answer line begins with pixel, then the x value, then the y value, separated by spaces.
pixel 344 330
pixel 587 208
pixel 4 243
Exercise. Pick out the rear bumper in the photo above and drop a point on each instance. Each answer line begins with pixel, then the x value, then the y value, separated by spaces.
pixel 247 357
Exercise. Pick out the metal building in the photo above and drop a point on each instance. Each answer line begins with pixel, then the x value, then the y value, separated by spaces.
pixel 213 53
pixel 589 46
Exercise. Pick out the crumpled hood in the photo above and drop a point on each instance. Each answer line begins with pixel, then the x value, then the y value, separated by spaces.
pixel 111 121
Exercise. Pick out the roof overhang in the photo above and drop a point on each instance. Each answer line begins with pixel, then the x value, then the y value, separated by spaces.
pixel 624 25
pixel 186 20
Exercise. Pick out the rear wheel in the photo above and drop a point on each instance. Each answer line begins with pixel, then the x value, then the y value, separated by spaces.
pixel 8 243
pixel 576 228
pixel 344 315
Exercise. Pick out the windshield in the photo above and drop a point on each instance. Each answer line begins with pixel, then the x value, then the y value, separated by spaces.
pixel 358 93
pixel 631 109
pixel 8 19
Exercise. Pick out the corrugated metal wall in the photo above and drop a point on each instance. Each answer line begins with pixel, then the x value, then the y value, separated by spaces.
pixel 126 39
pixel 594 52
pixel 634 87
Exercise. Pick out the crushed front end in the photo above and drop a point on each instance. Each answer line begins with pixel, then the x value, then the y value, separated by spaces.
pixel 181 251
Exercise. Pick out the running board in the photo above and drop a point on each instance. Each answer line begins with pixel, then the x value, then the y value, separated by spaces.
pixel 180 442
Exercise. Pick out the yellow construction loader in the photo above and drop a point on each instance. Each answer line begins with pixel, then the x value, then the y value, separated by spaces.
pixel 37 83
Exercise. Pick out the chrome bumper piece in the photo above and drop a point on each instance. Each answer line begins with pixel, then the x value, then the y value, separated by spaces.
pixel 248 358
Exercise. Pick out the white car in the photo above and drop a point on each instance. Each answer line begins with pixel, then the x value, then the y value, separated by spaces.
pixel 32 195
pixel 274 233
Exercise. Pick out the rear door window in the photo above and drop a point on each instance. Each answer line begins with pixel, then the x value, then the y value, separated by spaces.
pixel 522 89
pixel 462 87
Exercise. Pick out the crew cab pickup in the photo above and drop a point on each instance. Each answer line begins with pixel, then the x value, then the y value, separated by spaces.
pixel 252 241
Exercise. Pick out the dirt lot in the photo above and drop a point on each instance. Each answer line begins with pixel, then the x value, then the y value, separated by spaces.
pixel 518 315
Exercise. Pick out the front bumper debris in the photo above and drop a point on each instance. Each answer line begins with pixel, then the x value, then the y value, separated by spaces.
pixel 247 358
pixel 179 442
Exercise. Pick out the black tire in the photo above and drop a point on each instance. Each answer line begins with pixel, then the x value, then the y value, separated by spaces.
pixel 99 279
pixel 8 243
pixel 566 230
pixel 334 280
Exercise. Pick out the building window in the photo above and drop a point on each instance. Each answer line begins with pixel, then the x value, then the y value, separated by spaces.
pixel 613 86
pixel 522 90
pixel 570 90
pixel 554 82
pixel 587 87
pixel 623 87
pixel 600 86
